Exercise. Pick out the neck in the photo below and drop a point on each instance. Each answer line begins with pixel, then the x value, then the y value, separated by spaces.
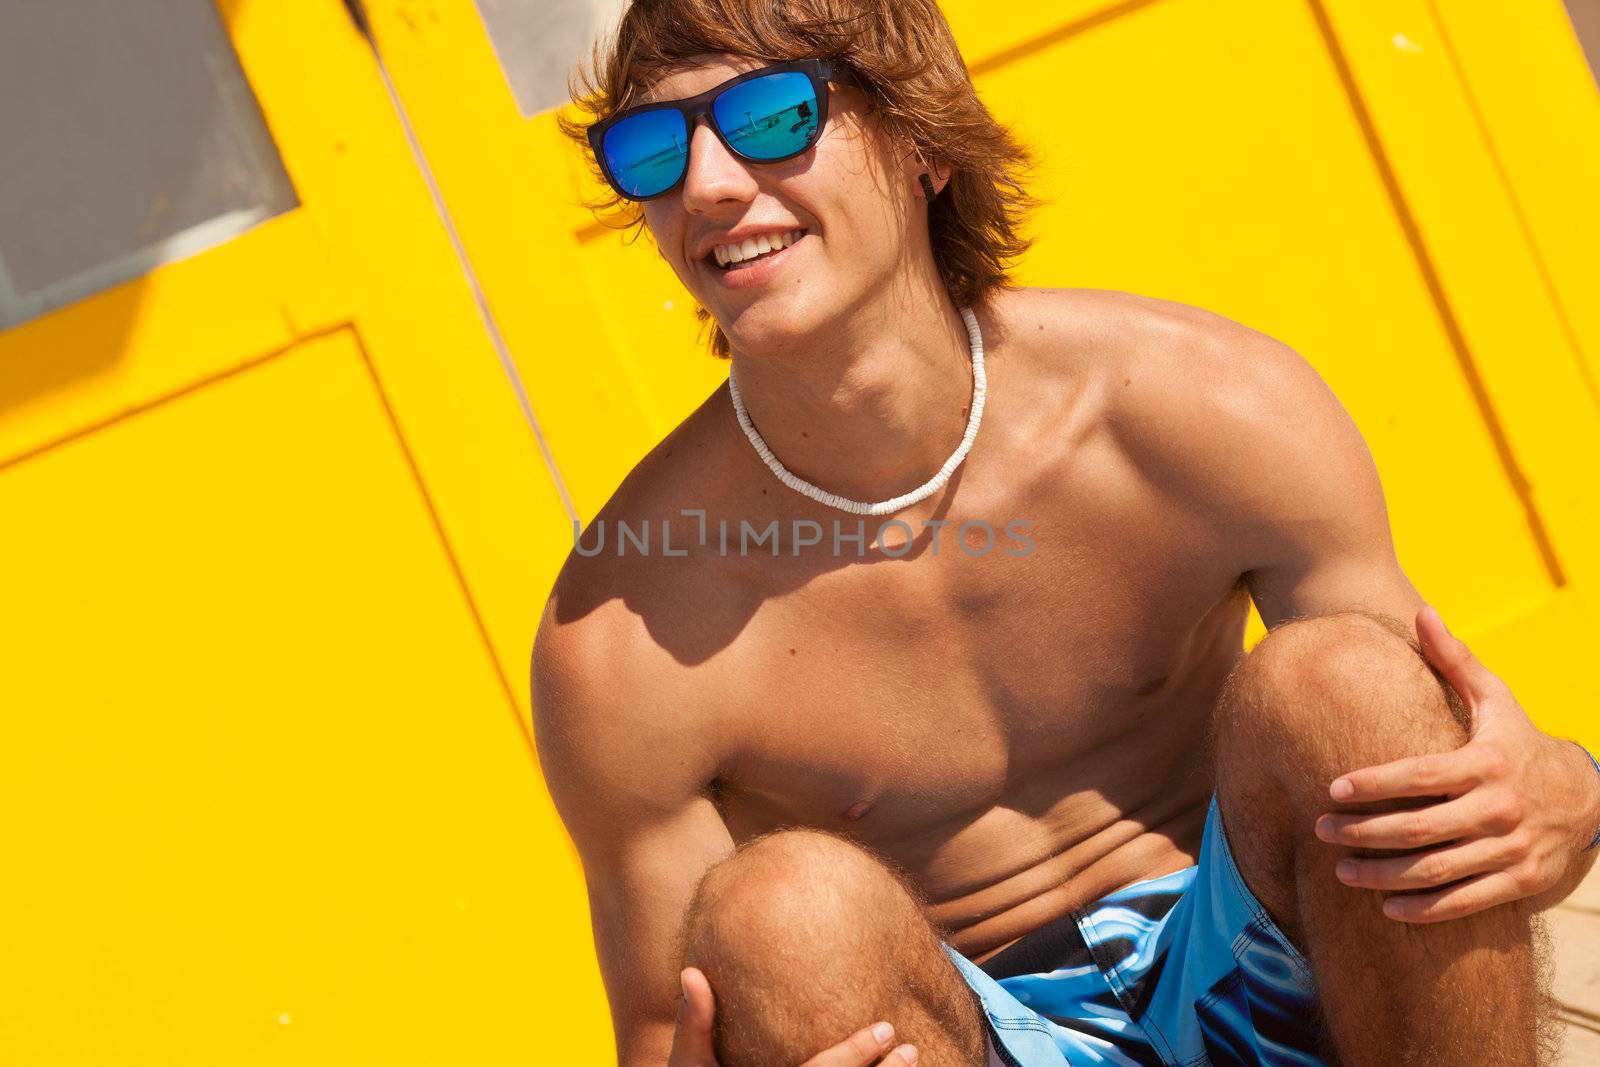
pixel 870 408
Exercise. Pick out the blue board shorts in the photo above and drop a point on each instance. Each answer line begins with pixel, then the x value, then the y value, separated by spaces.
pixel 1185 969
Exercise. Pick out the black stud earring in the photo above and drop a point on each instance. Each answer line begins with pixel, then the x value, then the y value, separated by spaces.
pixel 927 187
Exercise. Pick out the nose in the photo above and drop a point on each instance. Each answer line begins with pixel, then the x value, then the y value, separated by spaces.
pixel 715 175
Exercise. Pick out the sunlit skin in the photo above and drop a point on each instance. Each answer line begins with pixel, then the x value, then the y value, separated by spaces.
pixel 1020 735
pixel 858 361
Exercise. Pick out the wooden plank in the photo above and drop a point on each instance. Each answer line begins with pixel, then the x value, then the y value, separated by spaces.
pixel 1575 933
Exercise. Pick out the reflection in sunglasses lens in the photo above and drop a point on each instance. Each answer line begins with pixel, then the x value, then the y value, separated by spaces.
pixel 646 153
pixel 769 117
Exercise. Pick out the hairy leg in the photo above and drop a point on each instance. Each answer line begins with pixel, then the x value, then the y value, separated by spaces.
pixel 1316 698
pixel 806 937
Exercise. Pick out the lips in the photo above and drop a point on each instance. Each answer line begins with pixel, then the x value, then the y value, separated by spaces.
pixel 762 268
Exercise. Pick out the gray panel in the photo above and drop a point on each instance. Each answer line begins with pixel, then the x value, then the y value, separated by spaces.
pixel 538 43
pixel 131 139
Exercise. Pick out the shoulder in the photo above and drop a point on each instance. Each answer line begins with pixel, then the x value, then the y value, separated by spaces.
pixel 682 472
pixel 1208 411
pixel 1162 345
pixel 1236 426
pixel 1165 348
pixel 1168 376
pixel 1182 358
pixel 620 736
pixel 618 683
pixel 1198 398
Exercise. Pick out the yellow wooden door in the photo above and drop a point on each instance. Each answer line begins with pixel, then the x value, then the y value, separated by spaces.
pixel 1399 191
pixel 269 782
pixel 279 516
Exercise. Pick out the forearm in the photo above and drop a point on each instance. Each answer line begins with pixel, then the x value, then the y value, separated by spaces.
pixel 1588 802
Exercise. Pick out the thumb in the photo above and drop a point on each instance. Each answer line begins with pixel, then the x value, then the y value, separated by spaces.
pixel 1451 657
pixel 696 1012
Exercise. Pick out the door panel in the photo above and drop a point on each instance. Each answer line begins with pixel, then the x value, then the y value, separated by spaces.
pixel 276 533
pixel 151 337
pixel 271 807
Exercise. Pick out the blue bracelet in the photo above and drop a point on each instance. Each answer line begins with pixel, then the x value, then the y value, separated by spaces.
pixel 1596 763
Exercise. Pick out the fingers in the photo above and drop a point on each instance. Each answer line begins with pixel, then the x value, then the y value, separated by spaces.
pixel 1473 895
pixel 1434 774
pixel 864 1049
pixel 1427 870
pixel 1476 684
pixel 1471 815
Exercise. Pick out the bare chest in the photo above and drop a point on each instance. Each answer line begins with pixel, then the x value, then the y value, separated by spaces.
pixel 907 701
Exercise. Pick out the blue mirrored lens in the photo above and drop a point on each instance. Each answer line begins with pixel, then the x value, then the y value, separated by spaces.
pixel 647 152
pixel 769 117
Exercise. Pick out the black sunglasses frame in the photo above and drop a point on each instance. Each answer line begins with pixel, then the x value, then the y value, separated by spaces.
pixel 820 71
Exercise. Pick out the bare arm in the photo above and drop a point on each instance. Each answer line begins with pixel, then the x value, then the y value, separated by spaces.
pixel 1250 428
pixel 628 772
pixel 1248 431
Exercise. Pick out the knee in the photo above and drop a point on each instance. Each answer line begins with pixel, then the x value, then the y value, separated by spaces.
pixel 806 937
pixel 792 893
pixel 1317 692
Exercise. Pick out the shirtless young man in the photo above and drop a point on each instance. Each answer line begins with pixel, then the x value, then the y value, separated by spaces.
pixel 974 785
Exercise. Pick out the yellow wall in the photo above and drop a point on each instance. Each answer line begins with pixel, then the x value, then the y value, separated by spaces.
pixel 276 531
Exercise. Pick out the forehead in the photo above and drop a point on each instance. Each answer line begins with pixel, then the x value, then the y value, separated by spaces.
pixel 695 76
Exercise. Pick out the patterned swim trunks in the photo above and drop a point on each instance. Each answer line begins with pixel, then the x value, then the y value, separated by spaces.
pixel 1182 970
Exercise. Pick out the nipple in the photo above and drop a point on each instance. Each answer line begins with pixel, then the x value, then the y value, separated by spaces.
pixel 856 810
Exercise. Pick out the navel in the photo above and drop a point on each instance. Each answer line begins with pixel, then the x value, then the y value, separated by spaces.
pixel 1151 686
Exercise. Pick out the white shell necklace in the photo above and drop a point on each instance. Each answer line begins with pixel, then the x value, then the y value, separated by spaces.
pixel 905 500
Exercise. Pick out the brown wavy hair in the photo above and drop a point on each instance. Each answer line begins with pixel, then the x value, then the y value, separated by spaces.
pixel 904 58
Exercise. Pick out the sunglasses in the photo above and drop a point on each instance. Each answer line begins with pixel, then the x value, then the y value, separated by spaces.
pixel 765 115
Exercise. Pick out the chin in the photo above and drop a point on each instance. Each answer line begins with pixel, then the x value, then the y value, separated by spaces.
pixel 775 327
pixel 768 326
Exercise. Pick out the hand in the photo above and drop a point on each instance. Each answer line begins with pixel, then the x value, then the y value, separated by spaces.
pixel 691 1041
pixel 1517 812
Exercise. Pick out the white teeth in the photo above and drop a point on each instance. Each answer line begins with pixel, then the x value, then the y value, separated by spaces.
pixel 754 246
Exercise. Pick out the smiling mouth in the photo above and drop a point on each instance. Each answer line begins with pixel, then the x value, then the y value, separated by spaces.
pixel 752 250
